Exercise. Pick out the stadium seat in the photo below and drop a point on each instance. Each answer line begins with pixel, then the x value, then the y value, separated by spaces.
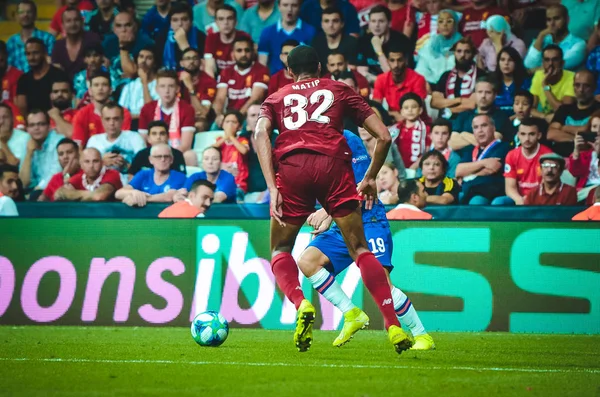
pixel 203 140
pixel 190 170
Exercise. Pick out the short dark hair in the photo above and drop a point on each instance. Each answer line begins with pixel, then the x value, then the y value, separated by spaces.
pixel 409 96
pixel 381 8
pixel 333 10
pixel 67 141
pixel 189 49
pixel 554 47
pixel 99 73
pixel 5 168
pixel 488 80
pixel 10 111
pixel 168 74
pixel 157 123
pixel 396 48
pixel 466 40
pixel 71 9
pixel 524 93
pixel 237 114
pixel 441 122
pixel 113 105
pixel 213 148
pixel 533 122
pixel 30 3
pixel 407 188
pixel 304 59
pixel 564 10
pixel 291 43
pixel 336 52
pixel 345 75
pixel 38 111
pixel 203 182
pixel 94 49
pixel 62 80
pixel 35 40
pixel 244 39
pixel 439 155
pixel 226 7
pixel 179 8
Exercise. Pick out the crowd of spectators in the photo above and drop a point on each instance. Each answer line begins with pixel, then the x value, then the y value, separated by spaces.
pixel 488 102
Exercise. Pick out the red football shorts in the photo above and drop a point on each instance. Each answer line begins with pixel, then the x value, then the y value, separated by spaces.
pixel 305 177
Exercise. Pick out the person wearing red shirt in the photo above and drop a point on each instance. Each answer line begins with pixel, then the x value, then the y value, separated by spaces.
pixel 413 133
pixel 336 63
pixel 234 150
pixel 399 81
pixel 472 23
pixel 219 45
pixel 88 121
pixel 176 113
pixel 62 114
pixel 68 157
pixel 313 163
pixel 522 171
pixel 9 77
pixel 552 191
pixel 56 25
pixel 363 7
pixel 283 78
pixel 95 183
pixel 403 16
pixel 242 84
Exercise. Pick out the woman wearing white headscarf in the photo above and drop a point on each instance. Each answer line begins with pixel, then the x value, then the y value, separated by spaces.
pixel 499 36
pixel 436 56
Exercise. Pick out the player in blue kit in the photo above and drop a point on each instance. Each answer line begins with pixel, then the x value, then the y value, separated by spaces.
pixel 327 256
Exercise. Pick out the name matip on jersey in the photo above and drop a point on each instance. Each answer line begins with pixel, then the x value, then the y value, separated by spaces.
pixel 310 115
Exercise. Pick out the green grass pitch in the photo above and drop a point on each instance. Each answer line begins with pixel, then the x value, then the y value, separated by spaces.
pixel 98 361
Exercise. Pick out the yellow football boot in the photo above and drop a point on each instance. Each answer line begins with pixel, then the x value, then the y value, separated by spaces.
pixel 399 339
pixel 423 342
pixel 303 334
pixel 354 321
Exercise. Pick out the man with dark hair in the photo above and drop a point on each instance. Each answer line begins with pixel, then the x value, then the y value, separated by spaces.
pixel 332 37
pixel 283 78
pixel 12 141
pixel 552 86
pixel 26 16
pixel 219 45
pixel 313 11
pixel 309 146
pixel 551 190
pixel 156 19
pixel 100 20
pixel 485 95
pixel 93 58
pixel 177 113
pixel 158 132
pixel 88 120
pixel 9 190
pixel 412 198
pixel 571 119
pixel 199 200
pixel 290 26
pixel 34 87
pixel 68 157
pixel 9 78
pixel 337 63
pixel 141 90
pixel 61 113
pixel 454 92
pixel 242 84
pixel 398 81
pixel 557 33
pixel 41 159
pixel 198 88
pixel 75 37
pixel 373 46
pixel 204 14
pixel 56 25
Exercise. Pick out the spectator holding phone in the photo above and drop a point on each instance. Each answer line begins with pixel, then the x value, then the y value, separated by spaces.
pixel 583 162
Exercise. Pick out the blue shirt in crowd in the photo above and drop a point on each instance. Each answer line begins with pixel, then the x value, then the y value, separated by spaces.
pixel 311 13
pixel 274 36
pixel 225 183
pixel 153 23
pixel 144 181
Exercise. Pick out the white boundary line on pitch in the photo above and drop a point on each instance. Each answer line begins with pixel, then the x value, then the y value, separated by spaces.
pixel 264 364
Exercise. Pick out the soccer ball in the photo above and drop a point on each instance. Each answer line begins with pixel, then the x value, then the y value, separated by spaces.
pixel 210 329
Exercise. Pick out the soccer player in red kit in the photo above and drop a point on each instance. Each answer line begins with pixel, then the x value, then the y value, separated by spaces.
pixel 312 161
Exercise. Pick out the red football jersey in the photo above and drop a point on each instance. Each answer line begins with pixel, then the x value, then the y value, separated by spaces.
pixel 9 84
pixel 68 115
pixel 206 89
pixel 526 170
pixel 87 123
pixel 309 115
pixel 85 6
pixel 401 16
pixel 187 120
pixel 471 23
pixel 111 176
pixel 363 84
pixel 278 80
pixel 239 84
pixel 412 142
pixel 221 52
pixel 230 156
pixel 363 7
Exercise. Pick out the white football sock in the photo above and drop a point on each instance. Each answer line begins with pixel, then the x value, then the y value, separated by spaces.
pixel 406 312
pixel 325 284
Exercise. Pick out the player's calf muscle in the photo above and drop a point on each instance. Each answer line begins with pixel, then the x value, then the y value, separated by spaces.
pixel 311 261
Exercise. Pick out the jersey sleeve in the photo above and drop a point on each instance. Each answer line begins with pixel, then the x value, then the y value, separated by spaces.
pixel 55 23
pixel 358 109
pixel 112 177
pixel 145 118
pixel 126 120
pixel 138 181
pixel 267 110
pixel 455 191
pixel 223 78
pixel 227 185
pixel 378 89
pixel 80 133
pixel 561 115
pixel 510 166
pixel 188 118
pixel 210 47
pixel 261 78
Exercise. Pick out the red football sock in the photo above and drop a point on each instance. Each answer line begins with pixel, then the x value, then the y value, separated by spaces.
pixel 374 278
pixel 286 274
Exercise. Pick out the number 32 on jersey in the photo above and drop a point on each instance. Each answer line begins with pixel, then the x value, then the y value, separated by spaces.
pixel 298 103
